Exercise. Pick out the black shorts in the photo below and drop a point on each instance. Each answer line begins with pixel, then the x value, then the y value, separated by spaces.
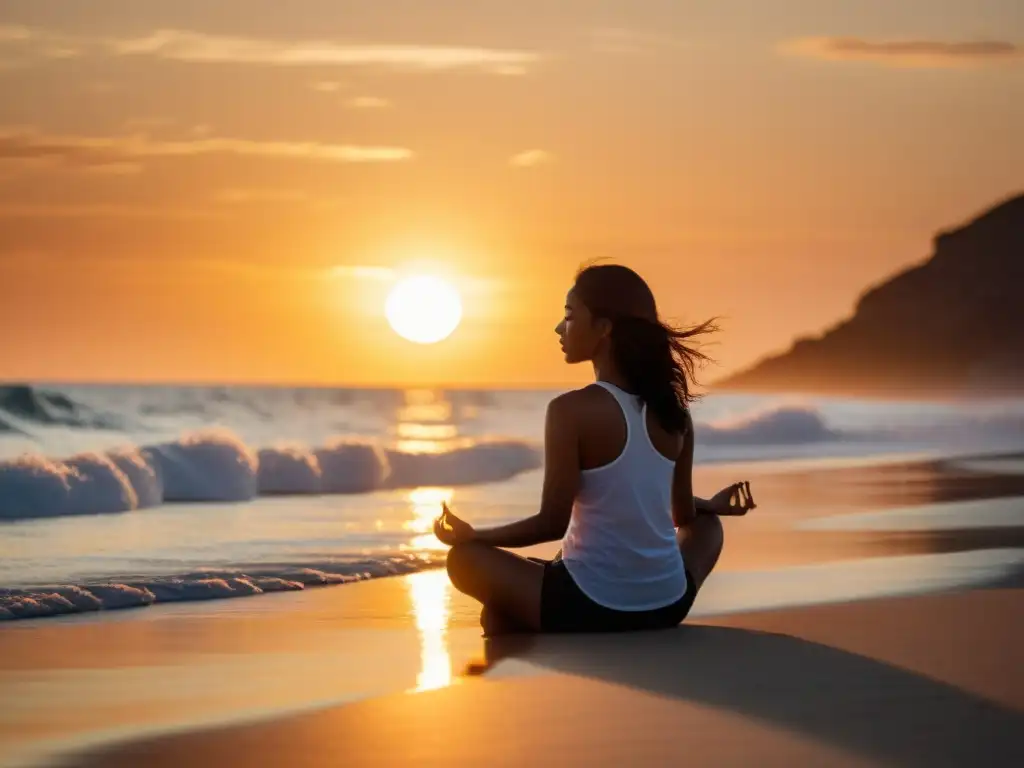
pixel 565 608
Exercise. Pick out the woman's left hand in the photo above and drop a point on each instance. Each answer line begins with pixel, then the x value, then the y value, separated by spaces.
pixel 735 499
pixel 451 529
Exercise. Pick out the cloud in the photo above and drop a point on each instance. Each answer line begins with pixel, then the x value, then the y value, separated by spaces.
pixel 14 33
pixel 531 158
pixel 906 53
pixel 368 102
pixel 28 43
pixel 198 47
pixel 10 39
pixel 326 86
pixel 81 151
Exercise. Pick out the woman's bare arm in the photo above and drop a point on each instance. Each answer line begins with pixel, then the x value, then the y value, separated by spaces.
pixel 684 504
pixel 561 483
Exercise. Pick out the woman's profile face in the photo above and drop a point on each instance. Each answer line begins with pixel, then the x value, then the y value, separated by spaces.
pixel 579 333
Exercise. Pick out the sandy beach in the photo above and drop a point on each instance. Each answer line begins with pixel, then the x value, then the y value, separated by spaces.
pixel 826 637
pixel 868 683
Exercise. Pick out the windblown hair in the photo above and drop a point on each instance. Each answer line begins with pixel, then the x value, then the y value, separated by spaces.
pixel 658 361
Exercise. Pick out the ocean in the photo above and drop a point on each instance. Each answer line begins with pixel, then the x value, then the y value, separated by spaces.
pixel 125 496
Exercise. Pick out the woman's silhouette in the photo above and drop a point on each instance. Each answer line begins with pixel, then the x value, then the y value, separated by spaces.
pixel 636 543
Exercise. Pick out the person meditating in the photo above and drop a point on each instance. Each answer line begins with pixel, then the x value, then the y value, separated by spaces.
pixel 636 544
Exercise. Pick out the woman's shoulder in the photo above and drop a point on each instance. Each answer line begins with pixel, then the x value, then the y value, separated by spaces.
pixel 583 404
pixel 587 395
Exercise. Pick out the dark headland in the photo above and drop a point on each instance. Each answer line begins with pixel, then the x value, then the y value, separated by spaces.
pixel 950 326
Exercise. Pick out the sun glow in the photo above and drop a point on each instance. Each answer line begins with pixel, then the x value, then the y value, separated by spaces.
pixel 423 309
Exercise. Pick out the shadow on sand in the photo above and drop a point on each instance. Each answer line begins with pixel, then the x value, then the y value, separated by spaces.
pixel 866 707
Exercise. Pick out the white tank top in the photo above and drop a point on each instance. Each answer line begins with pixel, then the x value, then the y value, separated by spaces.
pixel 620 546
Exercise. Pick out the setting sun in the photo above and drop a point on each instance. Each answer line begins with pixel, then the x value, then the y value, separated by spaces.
pixel 423 309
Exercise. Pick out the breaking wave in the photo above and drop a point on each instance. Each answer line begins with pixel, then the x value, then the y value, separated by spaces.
pixel 28 403
pixel 788 425
pixel 213 584
pixel 217 466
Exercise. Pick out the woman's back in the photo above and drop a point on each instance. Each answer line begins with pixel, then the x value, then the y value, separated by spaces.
pixel 617 480
pixel 620 546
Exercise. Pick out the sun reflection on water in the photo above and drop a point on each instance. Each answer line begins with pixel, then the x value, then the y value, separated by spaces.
pixel 429 591
pixel 424 422
pixel 426 505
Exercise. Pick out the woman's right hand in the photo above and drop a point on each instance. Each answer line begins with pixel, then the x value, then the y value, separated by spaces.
pixel 452 530
pixel 733 500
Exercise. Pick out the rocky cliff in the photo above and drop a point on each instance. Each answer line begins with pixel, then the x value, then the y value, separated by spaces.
pixel 953 324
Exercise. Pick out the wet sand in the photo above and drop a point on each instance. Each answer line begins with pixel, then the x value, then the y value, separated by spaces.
pixel 72 682
pixel 75 680
pixel 924 681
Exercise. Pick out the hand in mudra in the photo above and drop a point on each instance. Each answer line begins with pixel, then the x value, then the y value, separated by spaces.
pixel 451 529
pixel 735 499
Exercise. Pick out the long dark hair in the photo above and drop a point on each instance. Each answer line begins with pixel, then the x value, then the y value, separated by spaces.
pixel 658 361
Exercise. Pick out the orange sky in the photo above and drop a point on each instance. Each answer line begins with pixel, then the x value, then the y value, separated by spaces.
pixel 196 191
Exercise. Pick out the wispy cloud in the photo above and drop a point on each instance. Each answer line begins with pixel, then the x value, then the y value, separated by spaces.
pixel 11 40
pixel 198 47
pixel 530 158
pixel 368 102
pixel 906 53
pixel 326 86
pixel 83 151
pixel 14 33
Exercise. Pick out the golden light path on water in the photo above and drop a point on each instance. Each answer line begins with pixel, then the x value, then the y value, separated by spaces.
pixel 430 592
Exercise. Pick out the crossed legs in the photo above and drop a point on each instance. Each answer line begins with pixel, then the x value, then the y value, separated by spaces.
pixel 701 543
pixel 509 586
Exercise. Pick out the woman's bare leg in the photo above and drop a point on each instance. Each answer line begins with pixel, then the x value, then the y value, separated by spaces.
pixel 494 623
pixel 701 543
pixel 509 586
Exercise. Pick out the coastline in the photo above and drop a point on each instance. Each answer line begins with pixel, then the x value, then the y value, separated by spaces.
pixel 78 682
